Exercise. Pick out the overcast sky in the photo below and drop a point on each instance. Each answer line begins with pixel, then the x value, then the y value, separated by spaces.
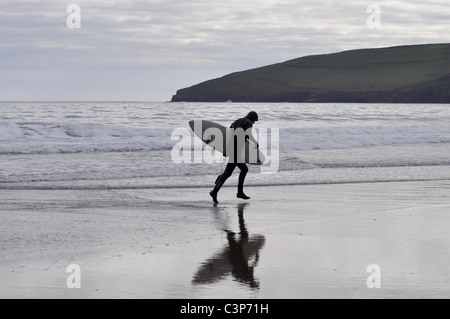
pixel 148 49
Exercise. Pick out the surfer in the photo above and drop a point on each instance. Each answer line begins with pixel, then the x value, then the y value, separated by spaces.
pixel 246 124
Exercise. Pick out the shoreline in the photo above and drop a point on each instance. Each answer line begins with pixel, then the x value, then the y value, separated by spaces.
pixel 307 177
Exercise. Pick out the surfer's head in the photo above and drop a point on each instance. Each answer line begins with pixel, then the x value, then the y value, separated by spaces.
pixel 253 116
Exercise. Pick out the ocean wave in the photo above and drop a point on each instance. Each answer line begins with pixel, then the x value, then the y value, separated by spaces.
pixel 326 138
pixel 10 132
pixel 39 138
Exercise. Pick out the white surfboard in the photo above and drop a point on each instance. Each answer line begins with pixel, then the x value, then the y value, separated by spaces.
pixel 221 139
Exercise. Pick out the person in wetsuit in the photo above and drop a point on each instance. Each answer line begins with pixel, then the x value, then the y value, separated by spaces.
pixel 246 124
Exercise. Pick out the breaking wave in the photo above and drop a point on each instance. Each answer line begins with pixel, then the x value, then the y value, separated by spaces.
pixel 37 138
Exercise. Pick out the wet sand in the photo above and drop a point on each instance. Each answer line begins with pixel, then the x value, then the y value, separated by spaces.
pixel 311 241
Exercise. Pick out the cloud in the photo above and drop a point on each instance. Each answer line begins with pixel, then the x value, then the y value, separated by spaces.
pixel 185 42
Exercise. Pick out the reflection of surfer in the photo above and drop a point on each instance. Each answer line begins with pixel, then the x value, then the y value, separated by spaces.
pixel 235 258
pixel 246 124
pixel 239 261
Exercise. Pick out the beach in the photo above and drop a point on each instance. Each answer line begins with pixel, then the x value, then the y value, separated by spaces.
pixel 304 241
pixel 98 200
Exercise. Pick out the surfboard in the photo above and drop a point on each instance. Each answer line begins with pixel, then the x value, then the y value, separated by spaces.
pixel 222 139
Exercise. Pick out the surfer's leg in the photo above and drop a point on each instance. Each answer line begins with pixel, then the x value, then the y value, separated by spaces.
pixel 244 170
pixel 219 183
pixel 226 174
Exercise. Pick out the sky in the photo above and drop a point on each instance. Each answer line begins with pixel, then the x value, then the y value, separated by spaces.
pixel 145 50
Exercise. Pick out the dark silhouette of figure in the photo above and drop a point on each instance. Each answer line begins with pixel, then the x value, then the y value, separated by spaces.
pixel 239 258
pixel 246 124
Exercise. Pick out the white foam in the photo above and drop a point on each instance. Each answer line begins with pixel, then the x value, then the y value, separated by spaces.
pixel 10 132
pixel 76 138
pixel 77 151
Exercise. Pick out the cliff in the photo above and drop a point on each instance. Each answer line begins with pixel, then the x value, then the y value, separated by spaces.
pixel 405 74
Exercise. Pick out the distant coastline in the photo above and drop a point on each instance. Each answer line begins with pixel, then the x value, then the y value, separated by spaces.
pixel 402 74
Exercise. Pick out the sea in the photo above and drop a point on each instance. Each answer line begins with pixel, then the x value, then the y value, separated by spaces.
pixel 107 145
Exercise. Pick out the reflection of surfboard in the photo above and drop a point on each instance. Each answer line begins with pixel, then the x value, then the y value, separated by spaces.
pixel 221 139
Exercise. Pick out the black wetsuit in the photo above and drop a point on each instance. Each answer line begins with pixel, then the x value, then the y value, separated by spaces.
pixel 245 124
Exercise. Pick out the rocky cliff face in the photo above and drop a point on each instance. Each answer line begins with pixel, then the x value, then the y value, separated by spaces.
pixel 408 74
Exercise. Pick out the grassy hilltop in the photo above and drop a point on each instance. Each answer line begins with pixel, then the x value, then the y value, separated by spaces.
pixel 404 74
